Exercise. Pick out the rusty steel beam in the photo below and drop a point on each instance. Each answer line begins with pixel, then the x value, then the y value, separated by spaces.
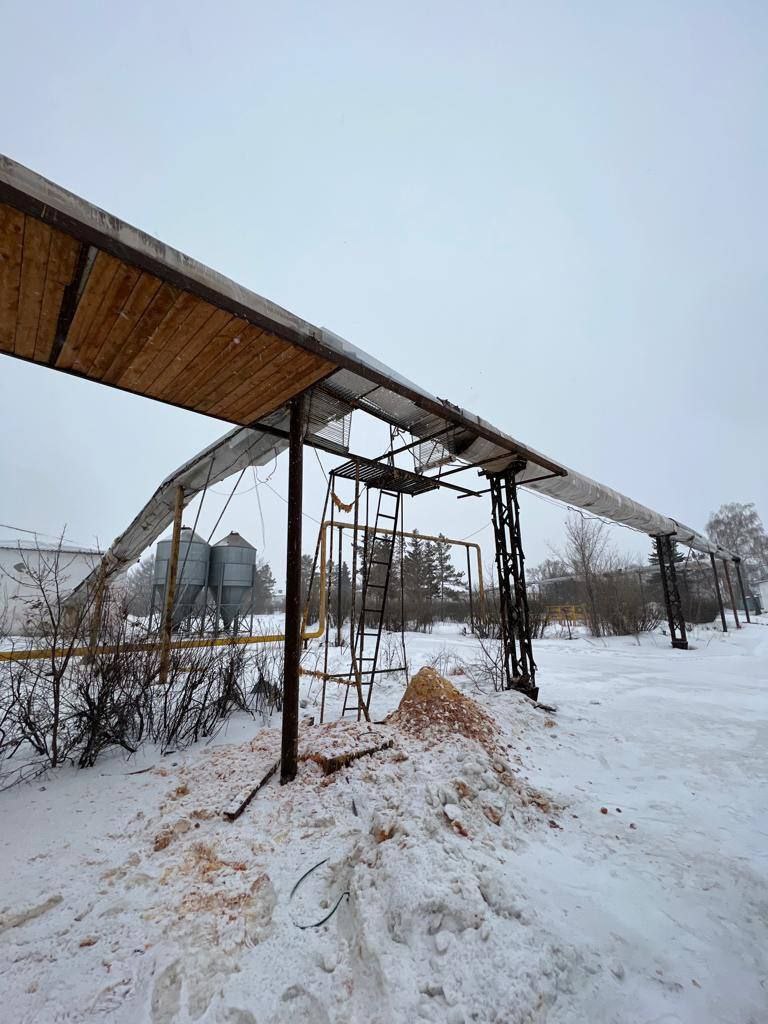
pixel 741 588
pixel 293 597
pixel 732 595
pixel 719 593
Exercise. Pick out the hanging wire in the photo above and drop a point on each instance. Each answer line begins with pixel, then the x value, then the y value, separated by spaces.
pixel 280 496
pixel 261 511
pixel 320 464
pixel 475 533
pixel 226 503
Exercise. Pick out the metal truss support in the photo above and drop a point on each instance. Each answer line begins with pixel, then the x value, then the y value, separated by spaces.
pixel 719 593
pixel 741 588
pixel 675 616
pixel 519 666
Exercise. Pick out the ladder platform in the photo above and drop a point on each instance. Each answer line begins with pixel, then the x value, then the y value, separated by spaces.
pixel 388 479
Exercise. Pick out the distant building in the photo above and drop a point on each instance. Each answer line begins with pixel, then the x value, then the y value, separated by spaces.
pixel 762 593
pixel 22 563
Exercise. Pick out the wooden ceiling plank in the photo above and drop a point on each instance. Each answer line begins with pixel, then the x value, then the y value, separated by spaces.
pixel 62 261
pixel 189 315
pixel 269 375
pixel 110 316
pixel 268 404
pixel 34 265
pixel 189 349
pixel 143 291
pixel 198 370
pixel 11 248
pixel 255 346
pixel 143 328
pixel 100 278
pixel 274 377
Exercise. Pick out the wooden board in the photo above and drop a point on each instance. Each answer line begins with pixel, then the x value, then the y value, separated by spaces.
pixel 11 248
pixel 62 260
pixel 37 244
pixel 89 309
pixel 132 330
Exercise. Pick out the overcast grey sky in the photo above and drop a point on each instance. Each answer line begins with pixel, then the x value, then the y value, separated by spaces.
pixel 553 214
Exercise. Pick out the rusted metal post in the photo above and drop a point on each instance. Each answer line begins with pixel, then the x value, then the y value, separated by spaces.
pixel 339 607
pixel 731 593
pixel 718 592
pixel 737 563
pixel 170 590
pixel 469 584
pixel 293 603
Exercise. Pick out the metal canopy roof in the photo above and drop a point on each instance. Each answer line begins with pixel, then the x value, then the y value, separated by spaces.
pixel 84 293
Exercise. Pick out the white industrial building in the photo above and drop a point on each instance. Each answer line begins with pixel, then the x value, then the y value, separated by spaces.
pixel 24 565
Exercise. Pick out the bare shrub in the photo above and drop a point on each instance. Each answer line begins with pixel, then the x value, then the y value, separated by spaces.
pixel 486 670
pixel 70 706
pixel 446 662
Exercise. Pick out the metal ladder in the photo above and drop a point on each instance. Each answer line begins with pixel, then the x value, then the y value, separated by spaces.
pixel 378 551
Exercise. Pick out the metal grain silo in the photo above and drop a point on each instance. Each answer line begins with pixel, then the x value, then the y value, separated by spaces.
pixel 191 575
pixel 230 575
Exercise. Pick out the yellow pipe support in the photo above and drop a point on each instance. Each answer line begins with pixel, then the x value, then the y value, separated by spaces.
pixel 183 645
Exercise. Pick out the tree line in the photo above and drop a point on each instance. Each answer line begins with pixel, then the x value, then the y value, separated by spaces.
pixel 616 596
pixel 425 586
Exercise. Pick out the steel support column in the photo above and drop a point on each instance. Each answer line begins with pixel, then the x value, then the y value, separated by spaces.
pixel 293 596
pixel 672 602
pixel 741 588
pixel 519 666
pixel 719 593
pixel 731 593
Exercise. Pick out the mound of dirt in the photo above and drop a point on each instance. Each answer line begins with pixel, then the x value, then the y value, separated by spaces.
pixel 433 709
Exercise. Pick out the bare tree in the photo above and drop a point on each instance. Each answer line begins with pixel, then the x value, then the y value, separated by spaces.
pixel 586 552
pixel 739 528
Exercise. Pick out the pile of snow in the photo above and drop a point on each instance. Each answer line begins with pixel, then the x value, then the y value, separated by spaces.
pixel 604 864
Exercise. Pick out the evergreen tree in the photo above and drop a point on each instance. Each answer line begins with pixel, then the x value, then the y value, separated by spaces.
pixel 306 578
pixel 419 581
pixel 448 579
pixel 263 588
pixel 346 592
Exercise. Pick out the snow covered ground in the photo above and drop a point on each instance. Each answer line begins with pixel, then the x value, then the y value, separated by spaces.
pixel 608 863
